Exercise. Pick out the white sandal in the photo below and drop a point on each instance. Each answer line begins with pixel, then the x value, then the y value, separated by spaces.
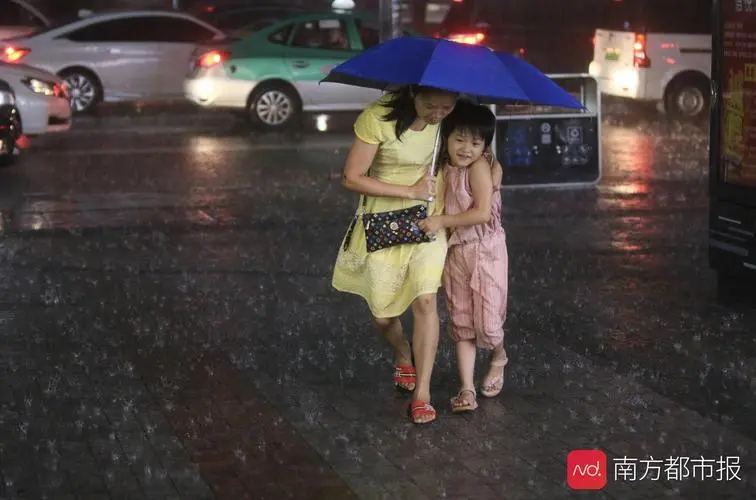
pixel 467 407
pixel 492 387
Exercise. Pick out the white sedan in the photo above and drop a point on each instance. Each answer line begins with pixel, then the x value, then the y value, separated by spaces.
pixel 115 56
pixel 41 98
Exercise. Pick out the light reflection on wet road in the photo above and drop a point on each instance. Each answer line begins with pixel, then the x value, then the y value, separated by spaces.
pixel 618 273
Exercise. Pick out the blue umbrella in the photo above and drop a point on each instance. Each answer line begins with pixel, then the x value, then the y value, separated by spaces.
pixel 539 88
pixel 473 70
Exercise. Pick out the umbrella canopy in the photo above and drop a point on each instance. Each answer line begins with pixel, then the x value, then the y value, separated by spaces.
pixel 474 70
pixel 539 88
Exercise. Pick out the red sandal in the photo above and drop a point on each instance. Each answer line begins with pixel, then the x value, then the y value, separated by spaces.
pixel 418 409
pixel 405 378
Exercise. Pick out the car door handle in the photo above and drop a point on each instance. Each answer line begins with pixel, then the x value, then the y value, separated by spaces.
pixel 300 64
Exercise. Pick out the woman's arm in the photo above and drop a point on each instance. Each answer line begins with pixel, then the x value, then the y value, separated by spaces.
pixel 482 191
pixel 355 176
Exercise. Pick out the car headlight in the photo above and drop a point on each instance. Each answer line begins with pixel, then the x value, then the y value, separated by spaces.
pixel 40 86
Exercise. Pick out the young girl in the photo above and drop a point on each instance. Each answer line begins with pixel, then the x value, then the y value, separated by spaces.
pixel 475 273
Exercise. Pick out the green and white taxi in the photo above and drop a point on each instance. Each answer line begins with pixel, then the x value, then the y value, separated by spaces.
pixel 273 74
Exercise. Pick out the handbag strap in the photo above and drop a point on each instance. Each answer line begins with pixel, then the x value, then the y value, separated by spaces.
pixel 363 197
pixel 437 144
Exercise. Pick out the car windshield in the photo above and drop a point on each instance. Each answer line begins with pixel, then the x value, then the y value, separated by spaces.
pixel 253 27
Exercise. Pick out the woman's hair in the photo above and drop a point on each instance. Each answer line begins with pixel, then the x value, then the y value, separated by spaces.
pixel 401 105
pixel 475 119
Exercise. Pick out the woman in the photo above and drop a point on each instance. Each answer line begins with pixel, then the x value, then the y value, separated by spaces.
pixel 394 142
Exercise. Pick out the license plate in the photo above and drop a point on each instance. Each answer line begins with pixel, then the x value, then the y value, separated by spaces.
pixel 612 55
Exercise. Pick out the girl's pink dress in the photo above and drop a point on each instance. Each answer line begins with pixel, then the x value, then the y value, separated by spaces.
pixel 476 269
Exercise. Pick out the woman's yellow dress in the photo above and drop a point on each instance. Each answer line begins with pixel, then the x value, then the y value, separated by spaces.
pixel 390 279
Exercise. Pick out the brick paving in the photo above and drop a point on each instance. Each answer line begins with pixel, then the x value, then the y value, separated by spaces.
pixel 243 448
pixel 515 446
pixel 136 380
pixel 189 346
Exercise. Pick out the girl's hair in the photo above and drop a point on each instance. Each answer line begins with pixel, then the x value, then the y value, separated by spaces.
pixel 475 119
pixel 401 105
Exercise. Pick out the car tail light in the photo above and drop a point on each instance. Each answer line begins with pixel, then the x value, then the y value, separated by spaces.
pixel 468 38
pixel 14 54
pixel 210 59
pixel 640 57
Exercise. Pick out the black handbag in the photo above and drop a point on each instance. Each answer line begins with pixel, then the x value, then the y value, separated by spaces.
pixel 392 228
pixel 395 227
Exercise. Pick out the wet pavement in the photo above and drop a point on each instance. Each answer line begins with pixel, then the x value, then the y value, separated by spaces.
pixel 169 331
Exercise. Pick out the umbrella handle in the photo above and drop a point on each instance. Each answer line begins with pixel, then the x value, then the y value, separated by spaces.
pixel 434 165
pixel 436 146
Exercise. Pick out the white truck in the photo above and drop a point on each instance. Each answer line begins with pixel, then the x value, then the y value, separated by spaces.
pixel 657 51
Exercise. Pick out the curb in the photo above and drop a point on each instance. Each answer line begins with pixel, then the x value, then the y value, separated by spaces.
pixel 162 114
pixel 180 115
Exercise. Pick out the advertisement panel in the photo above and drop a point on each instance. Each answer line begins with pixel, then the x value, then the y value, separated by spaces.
pixel 738 84
pixel 547 147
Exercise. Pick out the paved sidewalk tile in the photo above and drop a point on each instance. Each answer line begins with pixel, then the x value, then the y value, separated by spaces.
pixel 516 445
pixel 70 426
pixel 199 364
pixel 241 445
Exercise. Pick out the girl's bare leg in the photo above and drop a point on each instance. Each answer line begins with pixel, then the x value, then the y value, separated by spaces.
pixel 466 352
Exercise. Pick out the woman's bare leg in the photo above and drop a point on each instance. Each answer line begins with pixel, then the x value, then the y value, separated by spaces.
pixel 391 330
pixel 424 344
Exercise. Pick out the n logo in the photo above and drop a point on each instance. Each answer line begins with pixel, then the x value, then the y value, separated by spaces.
pixel 586 469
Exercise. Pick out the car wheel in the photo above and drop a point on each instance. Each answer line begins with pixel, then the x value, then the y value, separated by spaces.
pixel 688 100
pixel 84 89
pixel 273 107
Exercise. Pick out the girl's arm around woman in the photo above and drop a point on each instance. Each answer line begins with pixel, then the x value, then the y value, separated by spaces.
pixel 481 186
